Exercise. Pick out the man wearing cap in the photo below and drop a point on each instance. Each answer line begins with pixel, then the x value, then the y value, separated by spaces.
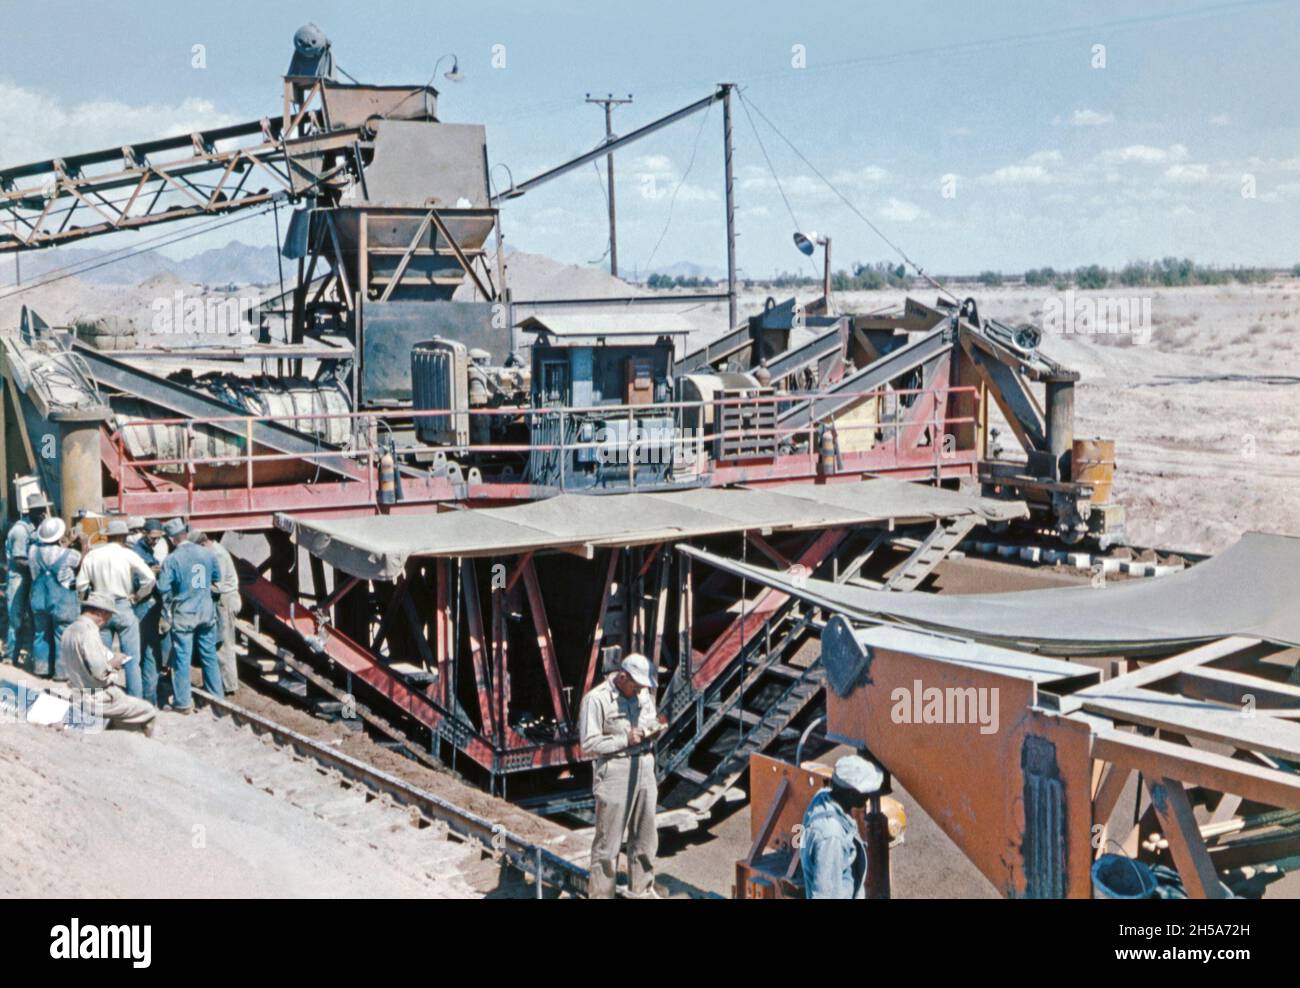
pixel 831 849
pixel 95 670
pixel 53 564
pixel 115 571
pixel 617 720
pixel 151 547
pixel 186 583
pixel 226 592
pixel 18 585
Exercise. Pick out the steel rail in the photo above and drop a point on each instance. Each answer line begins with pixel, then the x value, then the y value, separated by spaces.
pixel 546 867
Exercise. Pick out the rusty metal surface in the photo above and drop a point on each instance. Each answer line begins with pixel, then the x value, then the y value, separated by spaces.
pixel 1014 798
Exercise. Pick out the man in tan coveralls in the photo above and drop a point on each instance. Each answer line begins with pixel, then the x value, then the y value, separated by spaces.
pixel 617 719
pixel 95 671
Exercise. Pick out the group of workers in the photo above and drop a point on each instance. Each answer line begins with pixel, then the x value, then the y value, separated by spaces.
pixel 111 619
pixel 617 727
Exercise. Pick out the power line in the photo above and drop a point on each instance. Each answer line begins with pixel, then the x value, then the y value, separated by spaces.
pixel 848 202
pixel 975 46
pixel 680 182
pixel 775 177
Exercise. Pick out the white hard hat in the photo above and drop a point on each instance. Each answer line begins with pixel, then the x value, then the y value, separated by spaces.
pixel 855 773
pixel 51 530
pixel 638 667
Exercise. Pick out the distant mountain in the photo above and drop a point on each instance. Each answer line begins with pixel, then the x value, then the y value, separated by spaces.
pixel 236 263
pixel 686 269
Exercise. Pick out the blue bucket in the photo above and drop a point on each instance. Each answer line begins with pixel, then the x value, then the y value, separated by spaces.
pixel 1117 877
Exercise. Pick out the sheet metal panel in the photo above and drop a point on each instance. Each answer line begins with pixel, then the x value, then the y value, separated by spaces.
pixel 378 547
pixel 1250 589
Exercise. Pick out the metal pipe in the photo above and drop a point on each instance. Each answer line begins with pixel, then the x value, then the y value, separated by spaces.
pixel 725 89
pixel 605 149
pixel 1060 427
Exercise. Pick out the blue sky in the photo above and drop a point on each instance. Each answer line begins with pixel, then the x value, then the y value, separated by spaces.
pixel 1053 159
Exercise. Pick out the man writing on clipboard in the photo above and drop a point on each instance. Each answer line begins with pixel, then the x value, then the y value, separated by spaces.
pixel 618 725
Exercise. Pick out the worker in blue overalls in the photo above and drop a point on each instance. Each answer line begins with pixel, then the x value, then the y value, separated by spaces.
pixel 53 566
pixel 18 585
pixel 154 641
pixel 188 576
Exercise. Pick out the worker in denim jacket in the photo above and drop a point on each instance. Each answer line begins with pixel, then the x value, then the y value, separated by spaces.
pixel 831 850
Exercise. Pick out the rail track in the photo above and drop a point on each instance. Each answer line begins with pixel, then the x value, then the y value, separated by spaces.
pixel 371 797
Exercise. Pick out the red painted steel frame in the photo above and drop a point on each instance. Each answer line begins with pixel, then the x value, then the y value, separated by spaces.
pixel 277 609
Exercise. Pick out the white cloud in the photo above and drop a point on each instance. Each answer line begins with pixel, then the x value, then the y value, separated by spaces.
pixel 1090 118
pixel 1145 154
pixel 900 211
pixel 1187 173
pixel 1017 175
pixel 38 126
pixel 653 164
pixel 1044 157
pixel 868 175
pixel 1220 120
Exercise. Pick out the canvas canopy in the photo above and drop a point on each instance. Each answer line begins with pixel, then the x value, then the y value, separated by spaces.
pixel 378 547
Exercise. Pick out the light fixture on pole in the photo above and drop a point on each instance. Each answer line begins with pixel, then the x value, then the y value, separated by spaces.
pixel 454 74
pixel 807 244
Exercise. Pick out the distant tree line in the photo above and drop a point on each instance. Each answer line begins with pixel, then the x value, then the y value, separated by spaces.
pixel 1167 272
pixel 678 281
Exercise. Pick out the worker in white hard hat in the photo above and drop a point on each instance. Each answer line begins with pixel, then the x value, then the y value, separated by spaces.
pixel 118 572
pixel 53 564
pixel 832 853
pixel 617 723
pixel 95 670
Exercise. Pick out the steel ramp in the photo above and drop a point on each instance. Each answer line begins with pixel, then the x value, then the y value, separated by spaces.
pixel 933 549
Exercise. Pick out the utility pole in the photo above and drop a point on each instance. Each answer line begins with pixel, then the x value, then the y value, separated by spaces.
pixel 726 88
pixel 609 102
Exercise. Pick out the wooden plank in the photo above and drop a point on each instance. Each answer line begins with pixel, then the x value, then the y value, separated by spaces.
pixel 1162 759
pixel 1186 844
pixel 1196 718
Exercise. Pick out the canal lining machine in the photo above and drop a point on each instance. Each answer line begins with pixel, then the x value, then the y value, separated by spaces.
pixel 489 525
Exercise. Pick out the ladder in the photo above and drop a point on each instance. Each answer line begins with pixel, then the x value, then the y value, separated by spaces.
pixel 768 727
pixel 933 548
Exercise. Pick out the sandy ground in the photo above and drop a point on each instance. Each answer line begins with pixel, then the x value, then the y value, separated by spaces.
pixel 207 810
